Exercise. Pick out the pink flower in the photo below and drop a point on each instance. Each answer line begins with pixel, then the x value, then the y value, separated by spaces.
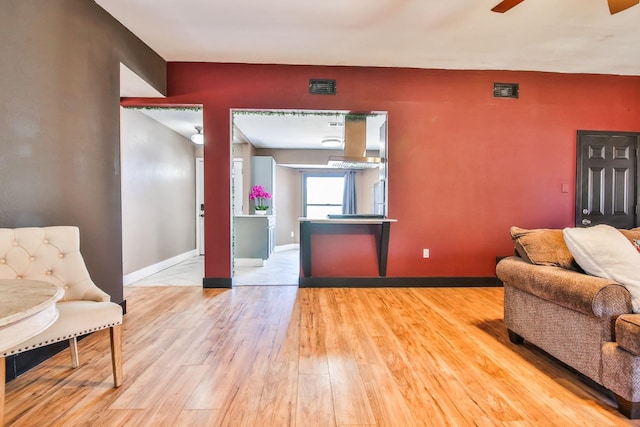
pixel 259 195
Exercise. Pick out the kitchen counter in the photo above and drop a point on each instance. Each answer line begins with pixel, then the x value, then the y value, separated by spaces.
pixel 309 226
pixel 347 220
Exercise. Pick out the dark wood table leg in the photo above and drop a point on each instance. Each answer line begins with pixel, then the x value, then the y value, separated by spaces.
pixel 383 250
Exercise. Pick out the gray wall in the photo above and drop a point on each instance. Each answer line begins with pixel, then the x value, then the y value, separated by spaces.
pixel 245 151
pixel 289 186
pixel 158 192
pixel 288 205
pixel 59 122
pixel 365 180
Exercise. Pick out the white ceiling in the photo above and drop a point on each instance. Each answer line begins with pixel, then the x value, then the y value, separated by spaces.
pixel 290 129
pixel 135 86
pixel 576 36
pixel 274 129
pixel 180 120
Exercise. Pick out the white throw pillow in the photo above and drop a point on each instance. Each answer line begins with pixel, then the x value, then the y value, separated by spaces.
pixel 603 251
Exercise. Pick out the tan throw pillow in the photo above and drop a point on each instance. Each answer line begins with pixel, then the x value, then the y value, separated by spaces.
pixel 603 251
pixel 543 247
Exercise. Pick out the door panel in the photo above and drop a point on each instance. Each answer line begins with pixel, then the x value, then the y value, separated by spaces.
pixel 200 205
pixel 621 189
pixel 606 184
pixel 595 191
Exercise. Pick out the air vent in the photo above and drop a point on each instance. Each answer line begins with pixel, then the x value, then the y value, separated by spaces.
pixel 505 90
pixel 322 87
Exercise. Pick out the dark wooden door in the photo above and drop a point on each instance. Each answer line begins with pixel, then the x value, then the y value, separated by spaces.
pixel 607 179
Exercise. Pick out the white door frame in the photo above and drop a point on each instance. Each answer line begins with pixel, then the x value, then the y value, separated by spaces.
pixel 199 202
pixel 238 190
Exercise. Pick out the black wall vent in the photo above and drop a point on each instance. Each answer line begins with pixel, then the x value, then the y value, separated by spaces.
pixel 505 90
pixel 322 87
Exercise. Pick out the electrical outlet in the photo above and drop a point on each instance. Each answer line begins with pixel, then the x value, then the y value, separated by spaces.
pixel 292 234
pixel 425 253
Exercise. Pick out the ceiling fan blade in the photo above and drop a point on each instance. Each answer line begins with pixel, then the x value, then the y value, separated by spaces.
pixel 505 5
pixel 616 6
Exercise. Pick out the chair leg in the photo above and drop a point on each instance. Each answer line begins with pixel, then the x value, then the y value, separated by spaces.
pixel 2 381
pixel 73 346
pixel 116 354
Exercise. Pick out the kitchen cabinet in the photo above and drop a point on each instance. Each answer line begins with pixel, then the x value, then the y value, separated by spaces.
pixel 255 236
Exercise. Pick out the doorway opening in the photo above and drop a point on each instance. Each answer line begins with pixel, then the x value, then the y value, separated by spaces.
pixel 161 193
pixel 282 152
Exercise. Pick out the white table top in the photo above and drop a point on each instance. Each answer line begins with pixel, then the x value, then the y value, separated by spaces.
pixel 27 307
pixel 21 298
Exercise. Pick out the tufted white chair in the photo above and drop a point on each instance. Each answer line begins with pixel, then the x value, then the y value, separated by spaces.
pixel 52 254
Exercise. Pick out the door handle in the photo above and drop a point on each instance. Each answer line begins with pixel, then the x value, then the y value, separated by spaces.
pixel 586 222
pixel 585 211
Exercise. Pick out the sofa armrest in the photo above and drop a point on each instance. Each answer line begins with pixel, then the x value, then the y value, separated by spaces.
pixel 576 291
pixel 628 333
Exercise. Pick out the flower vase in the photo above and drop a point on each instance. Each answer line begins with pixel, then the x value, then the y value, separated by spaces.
pixel 261 212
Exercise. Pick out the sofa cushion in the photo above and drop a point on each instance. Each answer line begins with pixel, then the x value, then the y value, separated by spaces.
pixel 604 251
pixel 543 247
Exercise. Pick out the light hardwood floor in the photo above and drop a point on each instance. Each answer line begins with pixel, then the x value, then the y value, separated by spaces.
pixel 280 356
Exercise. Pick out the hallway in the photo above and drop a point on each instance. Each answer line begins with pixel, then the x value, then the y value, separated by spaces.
pixel 282 268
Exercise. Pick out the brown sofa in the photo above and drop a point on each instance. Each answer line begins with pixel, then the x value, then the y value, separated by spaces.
pixel 584 321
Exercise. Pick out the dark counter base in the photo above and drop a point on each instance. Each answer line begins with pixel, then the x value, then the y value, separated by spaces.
pixel 217 282
pixel 398 282
pixel 307 228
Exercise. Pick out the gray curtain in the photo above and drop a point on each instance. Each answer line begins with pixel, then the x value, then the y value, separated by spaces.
pixel 349 194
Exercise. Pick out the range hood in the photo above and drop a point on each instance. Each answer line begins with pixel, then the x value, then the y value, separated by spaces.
pixel 355 146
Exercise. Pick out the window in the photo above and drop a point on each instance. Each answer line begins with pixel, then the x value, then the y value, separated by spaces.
pixel 323 194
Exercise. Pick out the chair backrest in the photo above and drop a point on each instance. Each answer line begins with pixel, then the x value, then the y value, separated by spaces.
pixel 49 254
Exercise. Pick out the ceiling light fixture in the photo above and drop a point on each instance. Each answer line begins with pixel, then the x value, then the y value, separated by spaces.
pixel 198 138
pixel 331 141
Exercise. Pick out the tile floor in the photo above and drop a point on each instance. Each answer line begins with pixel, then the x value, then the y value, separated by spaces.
pixel 282 268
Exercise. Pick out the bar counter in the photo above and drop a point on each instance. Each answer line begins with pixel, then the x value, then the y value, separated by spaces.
pixel 309 226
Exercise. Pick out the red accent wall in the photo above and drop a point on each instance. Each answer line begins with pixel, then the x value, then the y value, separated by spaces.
pixel 463 166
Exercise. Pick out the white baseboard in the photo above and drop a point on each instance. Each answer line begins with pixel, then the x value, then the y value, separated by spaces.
pixel 128 279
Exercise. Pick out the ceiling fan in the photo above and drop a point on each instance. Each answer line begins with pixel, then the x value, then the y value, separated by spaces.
pixel 615 6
